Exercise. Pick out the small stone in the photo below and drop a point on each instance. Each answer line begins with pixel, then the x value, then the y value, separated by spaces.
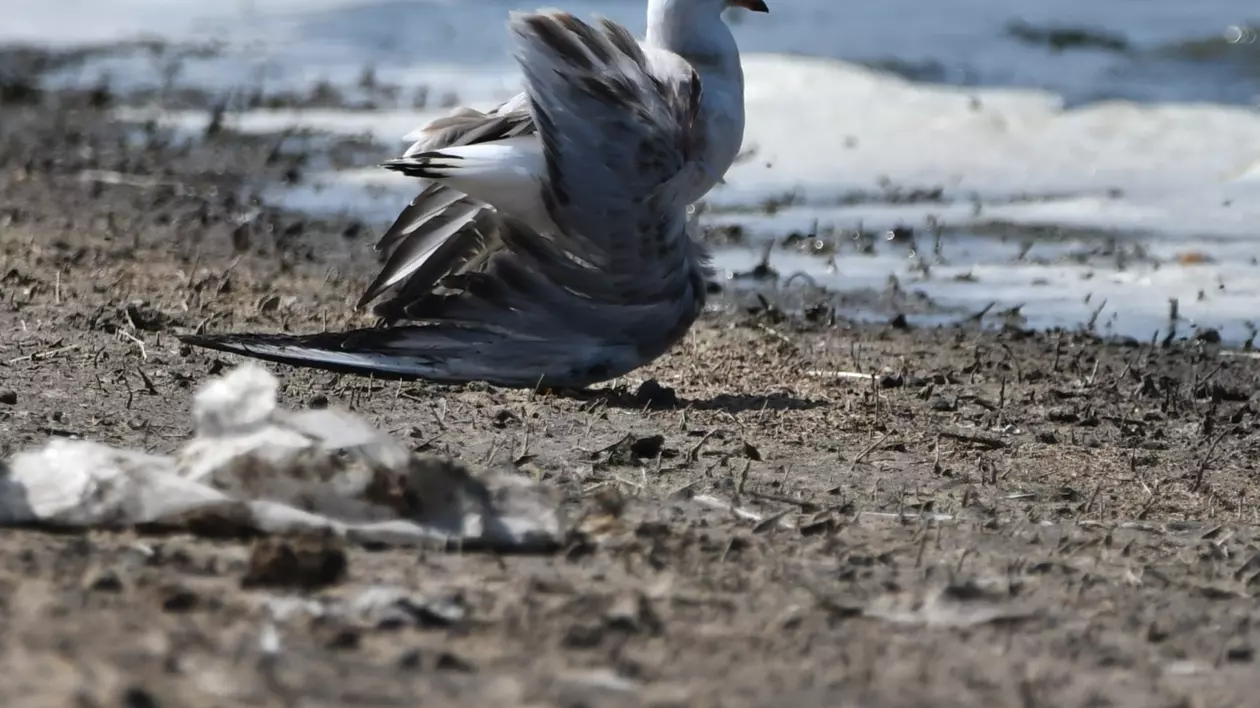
pixel 345 640
pixel 178 599
pixel 102 580
pixel 651 393
pixel 304 562
pixel 1208 336
pixel 411 659
pixel 1240 654
pixel 137 697
pixel 8 398
pixel 647 447
pixel 447 661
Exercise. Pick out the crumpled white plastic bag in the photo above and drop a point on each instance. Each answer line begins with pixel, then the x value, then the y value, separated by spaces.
pixel 253 466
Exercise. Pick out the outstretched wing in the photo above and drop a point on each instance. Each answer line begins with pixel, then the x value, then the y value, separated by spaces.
pixel 617 284
pixel 618 123
pixel 442 230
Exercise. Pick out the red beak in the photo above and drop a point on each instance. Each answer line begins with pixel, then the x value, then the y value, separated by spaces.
pixel 752 5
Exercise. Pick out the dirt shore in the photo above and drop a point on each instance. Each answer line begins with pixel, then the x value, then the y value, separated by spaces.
pixel 929 517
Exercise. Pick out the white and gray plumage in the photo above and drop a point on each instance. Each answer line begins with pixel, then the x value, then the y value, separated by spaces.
pixel 591 272
pixel 486 164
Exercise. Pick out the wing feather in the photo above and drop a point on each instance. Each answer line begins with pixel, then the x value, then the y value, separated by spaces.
pixel 616 285
pixel 424 243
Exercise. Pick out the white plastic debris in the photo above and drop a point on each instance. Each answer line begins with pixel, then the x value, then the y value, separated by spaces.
pixel 253 466
pixel 242 401
pixel 374 605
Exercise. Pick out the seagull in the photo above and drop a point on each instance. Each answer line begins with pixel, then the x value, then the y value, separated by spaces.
pixel 438 231
pixel 551 248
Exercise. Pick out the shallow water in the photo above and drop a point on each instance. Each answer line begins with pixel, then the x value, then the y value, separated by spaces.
pixel 1123 286
pixel 1150 50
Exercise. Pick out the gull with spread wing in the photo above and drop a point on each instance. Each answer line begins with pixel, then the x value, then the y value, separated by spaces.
pixel 494 157
pixel 551 248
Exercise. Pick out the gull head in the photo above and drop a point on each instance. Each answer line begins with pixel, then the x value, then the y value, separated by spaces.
pixel 697 30
pixel 695 8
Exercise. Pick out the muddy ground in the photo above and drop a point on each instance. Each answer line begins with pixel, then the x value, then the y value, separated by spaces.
pixel 994 518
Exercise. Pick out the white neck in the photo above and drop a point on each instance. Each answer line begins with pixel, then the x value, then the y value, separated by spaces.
pixel 695 32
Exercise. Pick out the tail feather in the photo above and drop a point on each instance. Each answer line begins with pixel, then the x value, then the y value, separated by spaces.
pixel 427 165
pixel 504 174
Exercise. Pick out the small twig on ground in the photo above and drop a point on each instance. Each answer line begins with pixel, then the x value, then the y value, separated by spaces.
pixel 1197 381
pixel 822 374
pixel 148 383
pixel 114 177
pixel 715 503
pixel 635 485
pixel 1201 472
pixel 694 454
pixel 776 334
pixel 975 437
pixel 1090 503
pixel 144 353
pixel 804 505
pixel 40 356
pixel 1093 374
pixel 524 453
pixel 628 437
pixel 773 520
pixel 868 450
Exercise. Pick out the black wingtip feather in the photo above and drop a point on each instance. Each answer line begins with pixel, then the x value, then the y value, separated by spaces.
pixel 244 345
pixel 420 167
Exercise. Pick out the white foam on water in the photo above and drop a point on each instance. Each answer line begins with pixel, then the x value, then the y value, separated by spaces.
pixel 821 127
